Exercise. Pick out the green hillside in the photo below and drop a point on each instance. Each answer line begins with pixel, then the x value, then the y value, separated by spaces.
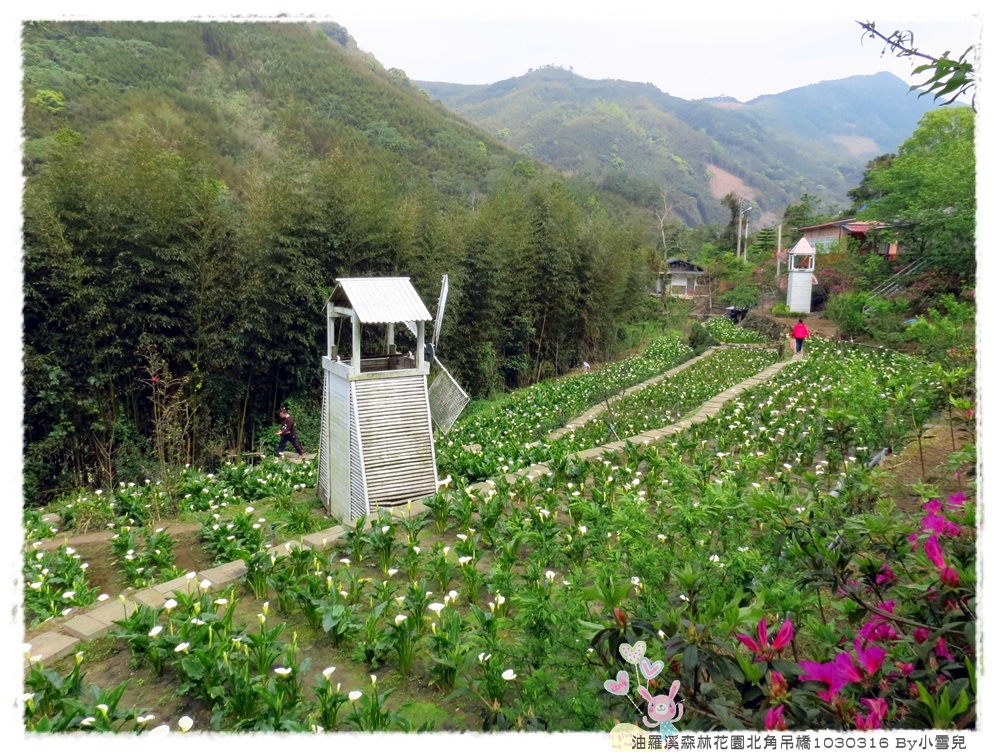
pixel 192 192
pixel 637 141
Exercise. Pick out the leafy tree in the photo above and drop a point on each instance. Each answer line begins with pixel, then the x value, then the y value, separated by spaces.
pixel 929 191
pixel 864 193
pixel 807 212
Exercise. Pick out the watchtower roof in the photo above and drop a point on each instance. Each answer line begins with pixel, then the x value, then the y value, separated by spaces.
pixel 380 300
pixel 803 247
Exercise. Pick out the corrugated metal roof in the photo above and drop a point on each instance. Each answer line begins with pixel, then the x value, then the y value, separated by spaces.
pixel 865 226
pixel 381 300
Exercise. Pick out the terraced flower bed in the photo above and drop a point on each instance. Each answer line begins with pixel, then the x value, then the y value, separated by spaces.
pixel 753 554
pixel 501 432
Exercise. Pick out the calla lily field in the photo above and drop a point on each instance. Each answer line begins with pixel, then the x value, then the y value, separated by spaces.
pixel 758 556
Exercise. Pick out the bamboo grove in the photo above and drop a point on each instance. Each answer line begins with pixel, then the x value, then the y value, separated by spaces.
pixel 193 190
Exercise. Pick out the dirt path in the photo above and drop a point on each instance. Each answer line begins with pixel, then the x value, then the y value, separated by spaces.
pixel 817 324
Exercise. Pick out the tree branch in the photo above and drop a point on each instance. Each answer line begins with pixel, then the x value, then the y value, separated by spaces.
pixel 898 42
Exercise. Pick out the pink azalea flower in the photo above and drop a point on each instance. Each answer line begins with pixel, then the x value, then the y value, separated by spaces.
pixel 761 648
pixel 933 522
pixel 949 577
pixel 878 710
pixel 879 706
pixel 885 575
pixel 957 500
pixel 871 659
pixel 817 671
pixel 836 674
pixel 941 650
pixel 933 551
pixel 845 669
pixel 778 684
pixel 774 719
pixel 934 506
pixel 784 635
pixel 868 631
pixel 905 667
pixel 749 643
pixel 920 635
pixel 940 525
pixel 878 630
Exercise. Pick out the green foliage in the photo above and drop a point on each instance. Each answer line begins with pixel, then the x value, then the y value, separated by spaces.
pixel 929 190
pixel 949 78
pixel 941 333
pixel 743 295
pixel 55 583
pixel 174 264
pixel 56 703
pixel 847 310
pixel 752 552
pixel 700 338
pixel 52 101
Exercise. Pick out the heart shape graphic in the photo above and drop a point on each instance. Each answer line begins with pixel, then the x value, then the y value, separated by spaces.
pixel 633 652
pixel 651 669
pixel 619 687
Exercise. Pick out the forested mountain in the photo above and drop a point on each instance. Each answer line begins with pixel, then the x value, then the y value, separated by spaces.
pixel 192 192
pixel 636 140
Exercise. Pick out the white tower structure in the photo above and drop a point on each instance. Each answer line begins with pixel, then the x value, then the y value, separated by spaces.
pixel 376 441
pixel 801 264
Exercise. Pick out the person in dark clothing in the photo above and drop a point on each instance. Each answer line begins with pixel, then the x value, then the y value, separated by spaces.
pixel 287 433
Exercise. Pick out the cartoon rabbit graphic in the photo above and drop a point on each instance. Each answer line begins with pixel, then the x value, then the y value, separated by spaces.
pixel 663 710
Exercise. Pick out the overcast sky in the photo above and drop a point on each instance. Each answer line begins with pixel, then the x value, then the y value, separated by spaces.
pixel 742 51
pixel 687 49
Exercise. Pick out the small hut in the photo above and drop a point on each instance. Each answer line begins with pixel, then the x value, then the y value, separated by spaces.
pixel 801 264
pixel 684 277
pixel 376 442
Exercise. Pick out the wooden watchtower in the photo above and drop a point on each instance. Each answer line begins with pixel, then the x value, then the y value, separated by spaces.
pixel 376 442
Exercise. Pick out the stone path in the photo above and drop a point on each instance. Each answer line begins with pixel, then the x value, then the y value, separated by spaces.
pixel 66 634
pixel 708 409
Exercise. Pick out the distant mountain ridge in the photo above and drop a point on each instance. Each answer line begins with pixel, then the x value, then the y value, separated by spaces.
pixel 641 142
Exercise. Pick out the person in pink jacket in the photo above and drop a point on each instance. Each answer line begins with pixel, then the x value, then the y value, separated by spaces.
pixel 800 332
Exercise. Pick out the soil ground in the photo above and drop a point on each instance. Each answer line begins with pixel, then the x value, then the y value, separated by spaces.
pixel 817 324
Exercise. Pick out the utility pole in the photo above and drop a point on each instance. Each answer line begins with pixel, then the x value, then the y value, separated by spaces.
pixel 739 229
pixel 746 235
pixel 777 257
pixel 743 232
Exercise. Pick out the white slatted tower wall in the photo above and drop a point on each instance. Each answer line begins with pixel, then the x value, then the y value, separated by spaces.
pixel 396 439
pixel 799 295
pixel 324 444
pixel 359 492
pixel 447 399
